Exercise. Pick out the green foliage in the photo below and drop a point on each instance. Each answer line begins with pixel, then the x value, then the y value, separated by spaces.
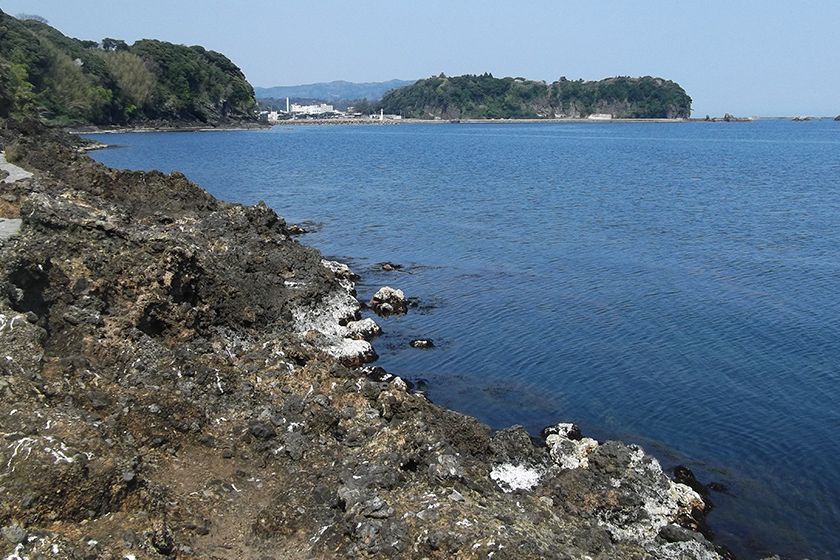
pixel 63 80
pixel 7 90
pixel 133 77
pixel 33 17
pixel 363 106
pixel 194 83
pixel 110 44
pixel 484 96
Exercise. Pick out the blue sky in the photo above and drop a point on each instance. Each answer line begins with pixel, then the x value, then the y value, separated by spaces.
pixel 746 57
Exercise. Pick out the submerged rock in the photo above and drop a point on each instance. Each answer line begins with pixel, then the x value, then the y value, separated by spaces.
pixel 390 267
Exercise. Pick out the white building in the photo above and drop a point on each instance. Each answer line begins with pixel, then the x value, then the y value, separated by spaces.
pixel 312 109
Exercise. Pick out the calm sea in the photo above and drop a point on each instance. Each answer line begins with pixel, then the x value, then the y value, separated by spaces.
pixel 675 285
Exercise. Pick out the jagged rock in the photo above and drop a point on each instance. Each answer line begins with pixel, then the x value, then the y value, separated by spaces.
pixel 644 500
pixel 330 322
pixel 261 430
pixel 567 447
pixel 422 343
pixel 563 429
pixel 389 301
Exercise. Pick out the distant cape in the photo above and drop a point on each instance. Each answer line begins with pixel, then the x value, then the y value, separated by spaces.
pixel 487 97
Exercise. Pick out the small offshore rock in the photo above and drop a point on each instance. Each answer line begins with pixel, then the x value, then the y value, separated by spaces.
pixel 422 343
pixel 390 267
pixel 389 301
pixel 718 487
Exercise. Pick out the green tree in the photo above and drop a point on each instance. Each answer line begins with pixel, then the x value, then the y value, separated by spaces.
pixel 110 44
pixel 134 80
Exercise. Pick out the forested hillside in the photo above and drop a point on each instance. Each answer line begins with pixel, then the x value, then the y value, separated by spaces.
pixel 66 81
pixel 484 96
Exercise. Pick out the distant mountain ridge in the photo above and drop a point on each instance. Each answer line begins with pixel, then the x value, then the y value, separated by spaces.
pixel 333 91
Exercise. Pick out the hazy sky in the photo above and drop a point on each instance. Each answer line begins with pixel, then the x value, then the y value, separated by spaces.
pixel 748 57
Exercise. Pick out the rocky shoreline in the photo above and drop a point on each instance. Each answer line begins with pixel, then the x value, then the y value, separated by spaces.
pixel 169 126
pixel 180 378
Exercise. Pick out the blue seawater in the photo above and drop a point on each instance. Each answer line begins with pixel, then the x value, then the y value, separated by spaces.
pixel 674 285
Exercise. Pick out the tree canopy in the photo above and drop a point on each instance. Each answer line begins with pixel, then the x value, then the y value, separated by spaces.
pixel 62 80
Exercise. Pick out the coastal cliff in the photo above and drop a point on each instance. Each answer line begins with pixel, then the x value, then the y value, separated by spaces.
pixel 182 379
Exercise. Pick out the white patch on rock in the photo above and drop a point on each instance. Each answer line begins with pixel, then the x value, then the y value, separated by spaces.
pixel 686 498
pixel 512 477
pixel 342 272
pixel 387 293
pixel 16 553
pixel 9 227
pixel 686 550
pixel 327 315
pixel 15 173
pixel 364 329
pixel 564 429
pixel 333 316
pixel 569 453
